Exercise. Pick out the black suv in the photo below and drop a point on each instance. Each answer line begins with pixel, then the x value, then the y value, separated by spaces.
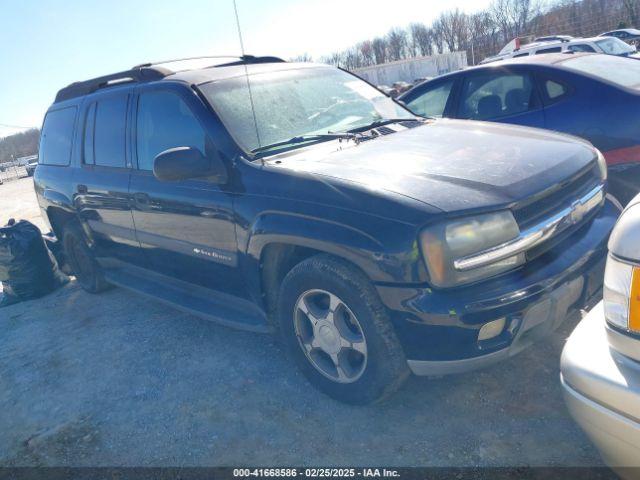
pixel 297 198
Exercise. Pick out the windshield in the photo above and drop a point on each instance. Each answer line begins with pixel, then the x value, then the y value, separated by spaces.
pixel 621 71
pixel 295 103
pixel 614 46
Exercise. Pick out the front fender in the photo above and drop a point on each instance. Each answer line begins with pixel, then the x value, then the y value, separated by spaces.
pixel 386 251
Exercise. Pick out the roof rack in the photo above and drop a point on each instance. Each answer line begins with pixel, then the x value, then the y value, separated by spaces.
pixel 148 72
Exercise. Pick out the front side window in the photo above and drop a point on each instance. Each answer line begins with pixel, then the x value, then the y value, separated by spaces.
pixel 110 128
pixel 165 121
pixel 493 95
pixel 57 133
pixel 278 106
pixel 433 101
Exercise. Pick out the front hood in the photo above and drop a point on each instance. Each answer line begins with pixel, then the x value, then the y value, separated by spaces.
pixel 451 164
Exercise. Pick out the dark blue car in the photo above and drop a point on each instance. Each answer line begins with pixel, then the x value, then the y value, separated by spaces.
pixel 596 97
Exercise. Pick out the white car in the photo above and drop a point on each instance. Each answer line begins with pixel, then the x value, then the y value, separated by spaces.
pixel 606 45
pixel 600 366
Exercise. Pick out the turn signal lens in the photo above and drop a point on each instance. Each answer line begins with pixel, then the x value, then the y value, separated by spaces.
pixel 622 295
pixel 634 301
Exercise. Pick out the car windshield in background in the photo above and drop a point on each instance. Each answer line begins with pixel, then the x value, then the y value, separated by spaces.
pixel 614 46
pixel 297 103
pixel 621 71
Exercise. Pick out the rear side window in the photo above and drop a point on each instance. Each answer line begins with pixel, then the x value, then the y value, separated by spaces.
pixel 432 102
pixel 110 128
pixel 57 134
pixel 493 94
pixel 549 50
pixel 165 121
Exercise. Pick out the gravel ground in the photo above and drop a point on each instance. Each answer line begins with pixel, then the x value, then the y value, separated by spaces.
pixel 117 379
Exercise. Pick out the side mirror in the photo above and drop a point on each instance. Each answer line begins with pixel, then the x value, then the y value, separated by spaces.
pixel 182 163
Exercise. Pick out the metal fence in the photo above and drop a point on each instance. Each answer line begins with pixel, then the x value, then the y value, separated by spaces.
pixel 12 171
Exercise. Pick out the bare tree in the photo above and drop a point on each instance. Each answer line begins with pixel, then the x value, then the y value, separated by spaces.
pixel 397 44
pixel 305 57
pixel 379 49
pixel 367 53
pixel 421 40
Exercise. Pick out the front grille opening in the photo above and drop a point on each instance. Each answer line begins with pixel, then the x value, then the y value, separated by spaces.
pixel 557 199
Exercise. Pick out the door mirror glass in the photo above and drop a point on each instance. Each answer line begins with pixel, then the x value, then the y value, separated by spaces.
pixel 182 163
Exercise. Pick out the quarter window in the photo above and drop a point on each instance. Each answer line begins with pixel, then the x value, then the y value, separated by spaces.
pixel 554 90
pixel 110 128
pixel 57 133
pixel 492 95
pixel 165 121
pixel 433 101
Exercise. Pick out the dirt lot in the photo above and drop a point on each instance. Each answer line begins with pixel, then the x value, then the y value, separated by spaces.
pixel 117 379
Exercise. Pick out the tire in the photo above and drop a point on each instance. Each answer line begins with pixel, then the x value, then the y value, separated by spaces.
pixel 81 260
pixel 369 369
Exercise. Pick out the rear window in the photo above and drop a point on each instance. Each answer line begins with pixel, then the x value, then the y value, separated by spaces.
pixel 621 71
pixel 57 134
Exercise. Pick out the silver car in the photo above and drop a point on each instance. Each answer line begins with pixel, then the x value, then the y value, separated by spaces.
pixel 600 366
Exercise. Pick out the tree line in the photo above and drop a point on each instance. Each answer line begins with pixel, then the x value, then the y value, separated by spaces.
pixel 19 145
pixel 484 33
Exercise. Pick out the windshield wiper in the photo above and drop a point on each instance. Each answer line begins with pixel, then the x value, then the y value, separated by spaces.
pixel 380 123
pixel 308 138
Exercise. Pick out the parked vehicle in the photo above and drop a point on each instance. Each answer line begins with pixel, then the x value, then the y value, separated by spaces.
pixel 595 97
pixel 607 46
pixel 624 34
pixel 377 243
pixel 601 360
pixel 31 167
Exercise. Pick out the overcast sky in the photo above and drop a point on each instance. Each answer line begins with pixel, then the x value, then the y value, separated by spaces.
pixel 47 44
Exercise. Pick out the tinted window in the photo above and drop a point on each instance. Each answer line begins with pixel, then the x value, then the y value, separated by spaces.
pixel 491 95
pixel 87 142
pixel 549 50
pixel 432 102
pixel 165 121
pixel 57 132
pixel 581 48
pixel 110 127
pixel 622 71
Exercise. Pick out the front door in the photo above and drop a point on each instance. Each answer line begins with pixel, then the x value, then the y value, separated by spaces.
pixel 186 228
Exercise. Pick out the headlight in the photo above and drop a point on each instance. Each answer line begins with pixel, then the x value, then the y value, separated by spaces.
pixel 443 243
pixel 622 295
pixel 602 165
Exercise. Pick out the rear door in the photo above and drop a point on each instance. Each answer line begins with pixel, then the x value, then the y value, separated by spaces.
pixel 186 228
pixel 101 182
pixel 500 95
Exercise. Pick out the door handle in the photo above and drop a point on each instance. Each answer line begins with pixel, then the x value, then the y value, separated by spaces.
pixel 82 189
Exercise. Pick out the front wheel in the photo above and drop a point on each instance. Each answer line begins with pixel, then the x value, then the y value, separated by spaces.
pixel 80 258
pixel 338 332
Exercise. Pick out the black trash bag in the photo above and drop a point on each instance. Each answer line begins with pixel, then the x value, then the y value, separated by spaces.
pixel 27 268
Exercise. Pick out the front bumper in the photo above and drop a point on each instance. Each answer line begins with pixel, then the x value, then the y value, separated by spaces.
pixel 602 391
pixel 438 329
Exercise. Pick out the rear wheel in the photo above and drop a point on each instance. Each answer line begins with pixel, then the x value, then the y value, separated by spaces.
pixel 81 261
pixel 338 332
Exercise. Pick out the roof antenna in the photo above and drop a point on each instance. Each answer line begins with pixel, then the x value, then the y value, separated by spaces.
pixel 246 72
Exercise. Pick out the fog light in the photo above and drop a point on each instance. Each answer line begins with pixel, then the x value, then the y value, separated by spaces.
pixel 491 329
